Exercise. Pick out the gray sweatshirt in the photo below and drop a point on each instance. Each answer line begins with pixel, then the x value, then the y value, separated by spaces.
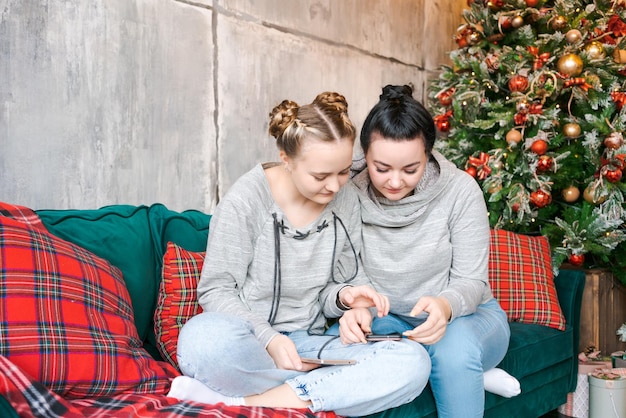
pixel 432 243
pixel 238 276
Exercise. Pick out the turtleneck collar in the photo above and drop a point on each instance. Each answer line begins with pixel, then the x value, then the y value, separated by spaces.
pixel 395 213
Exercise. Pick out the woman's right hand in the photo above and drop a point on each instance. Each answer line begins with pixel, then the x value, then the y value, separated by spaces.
pixel 284 353
pixel 354 325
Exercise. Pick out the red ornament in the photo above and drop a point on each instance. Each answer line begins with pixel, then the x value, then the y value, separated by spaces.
pixel 613 176
pixel 577 259
pixel 520 118
pixel 442 122
pixel 471 171
pixel 505 22
pixel 532 3
pixel 619 98
pixel 445 97
pixel 540 198
pixel 443 125
pixel 544 164
pixel 462 35
pixel 539 147
pixel 518 83
pixel 536 109
pixel 515 207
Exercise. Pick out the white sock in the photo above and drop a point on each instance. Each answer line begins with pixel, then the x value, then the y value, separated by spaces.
pixel 189 389
pixel 501 383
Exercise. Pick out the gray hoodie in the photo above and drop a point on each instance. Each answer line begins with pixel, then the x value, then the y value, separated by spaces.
pixel 238 276
pixel 434 242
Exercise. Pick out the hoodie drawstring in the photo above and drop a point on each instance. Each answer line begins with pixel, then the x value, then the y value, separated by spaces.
pixel 278 227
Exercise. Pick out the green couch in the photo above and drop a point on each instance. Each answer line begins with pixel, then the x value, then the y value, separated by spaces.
pixel 134 238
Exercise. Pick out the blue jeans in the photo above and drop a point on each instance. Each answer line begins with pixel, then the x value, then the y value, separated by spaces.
pixel 221 351
pixel 471 345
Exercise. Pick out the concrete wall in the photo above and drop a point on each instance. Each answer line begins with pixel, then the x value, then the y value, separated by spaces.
pixel 143 101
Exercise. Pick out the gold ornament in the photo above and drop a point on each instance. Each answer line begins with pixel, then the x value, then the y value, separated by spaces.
pixel 619 56
pixel 571 130
pixel 570 194
pixel 513 137
pixel 517 21
pixel 589 197
pixel 595 50
pixel 495 5
pixel 559 22
pixel 473 37
pixel 594 80
pixel 570 64
pixel 573 35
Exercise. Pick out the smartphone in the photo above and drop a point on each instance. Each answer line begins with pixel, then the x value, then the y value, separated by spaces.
pixel 327 362
pixel 384 337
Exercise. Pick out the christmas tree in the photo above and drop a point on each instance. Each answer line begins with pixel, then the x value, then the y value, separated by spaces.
pixel 532 106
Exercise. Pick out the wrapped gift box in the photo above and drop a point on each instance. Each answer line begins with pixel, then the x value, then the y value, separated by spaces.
pixel 577 405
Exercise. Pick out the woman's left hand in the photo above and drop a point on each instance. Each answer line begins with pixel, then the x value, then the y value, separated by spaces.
pixel 364 297
pixel 433 329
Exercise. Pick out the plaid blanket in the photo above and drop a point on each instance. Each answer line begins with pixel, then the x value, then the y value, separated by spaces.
pixel 31 399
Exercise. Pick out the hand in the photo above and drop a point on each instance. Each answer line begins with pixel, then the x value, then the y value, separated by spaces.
pixel 364 297
pixel 354 324
pixel 433 329
pixel 285 355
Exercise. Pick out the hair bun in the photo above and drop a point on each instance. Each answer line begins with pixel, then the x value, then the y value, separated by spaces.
pixel 282 116
pixel 335 100
pixel 396 92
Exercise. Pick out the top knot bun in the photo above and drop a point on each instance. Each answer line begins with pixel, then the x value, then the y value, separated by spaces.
pixel 396 92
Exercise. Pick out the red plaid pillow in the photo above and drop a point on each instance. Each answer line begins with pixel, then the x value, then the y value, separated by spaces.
pixel 22 214
pixel 520 274
pixel 178 299
pixel 66 317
